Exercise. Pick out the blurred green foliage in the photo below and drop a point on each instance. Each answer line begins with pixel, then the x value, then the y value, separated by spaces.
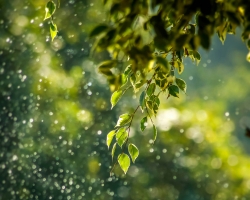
pixel 55 115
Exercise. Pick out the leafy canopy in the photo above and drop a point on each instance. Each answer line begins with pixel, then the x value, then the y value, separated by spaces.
pixel 149 39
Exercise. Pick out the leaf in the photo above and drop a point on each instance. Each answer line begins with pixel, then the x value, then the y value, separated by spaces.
pixel 173 90
pixel 49 9
pixel 181 84
pixel 180 67
pixel 116 96
pixel 107 65
pixel 113 151
pixel 151 89
pixel 53 30
pixel 110 136
pixel 164 63
pixel 124 162
pixel 248 57
pixel 142 99
pixel 127 70
pixel 98 30
pixel 197 57
pixel 133 151
pixel 139 84
pixel 143 123
pixel 155 133
pixel 121 136
pixel 123 119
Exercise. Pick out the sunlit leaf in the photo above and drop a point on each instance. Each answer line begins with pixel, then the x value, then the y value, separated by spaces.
pixel 107 65
pixel 173 90
pixel 121 136
pixel 144 123
pixel 124 162
pixel 123 120
pixel 248 57
pixel 49 9
pixel 181 84
pixel 142 99
pixel 110 136
pixel 53 30
pixel 151 89
pixel 133 151
pixel 155 133
pixel 113 151
pixel 197 57
pixel 98 30
pixel 116 96
pixel 127 70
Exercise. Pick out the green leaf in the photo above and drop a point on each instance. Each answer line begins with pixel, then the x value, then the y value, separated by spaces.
pixel 107 65
pixel 151 89
pixel 116 96
pixel 121 136
pixel 248 57
pixel 127 70
pixel 164 63
pixel 197 57
pixel 113 151
pixel 155 133
pixel 143 123
pixel 139 84
pixel 173 90
pixel 98 30
pixel 142 99
pixel 179 65
pixel 53 30
pixel 123 120
pixel 181 84
pixel 110 136
pixel 49 9
pixel 133 151
pixel 124 162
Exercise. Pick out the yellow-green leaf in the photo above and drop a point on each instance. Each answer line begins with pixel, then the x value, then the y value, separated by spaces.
pixel 124 162
pixel 110 136
pixel 133 151
pixel 116 96
pixel 181 84
pixel 121 136
pixel 155 133
pixel 144 123
pixel 113 151
pixel 123 120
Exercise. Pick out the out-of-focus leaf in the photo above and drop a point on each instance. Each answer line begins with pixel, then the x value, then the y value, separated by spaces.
pixel 142 99
pixel 49 9
pixel 124 162
pixel 98 30
pixel 151 89
pixel 123 120
pixel 164 63
pixel 113 151
pixel 155 133
pixel 133 151
pixel 110 137
pixel 143 123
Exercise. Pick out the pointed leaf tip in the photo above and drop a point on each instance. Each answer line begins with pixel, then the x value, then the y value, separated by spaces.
pixel 124 162
pixel 133 151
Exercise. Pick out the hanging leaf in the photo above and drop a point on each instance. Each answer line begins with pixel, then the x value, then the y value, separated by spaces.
pixel 133 151
pixel 123 120
pixel 151 89
pixel 124 162
pixel 107 65
pixel 173 90
pixel 53 30
pixel 98 30
pixel 49 9
pixel 127 70
pixel 164 63
pixel 142 100
pixel 181 84
pixel 155 133
pixel 121 136
pixel 144 121
pixel 197 57
pixel 116 96
pixel 113 151
pixel 110 136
